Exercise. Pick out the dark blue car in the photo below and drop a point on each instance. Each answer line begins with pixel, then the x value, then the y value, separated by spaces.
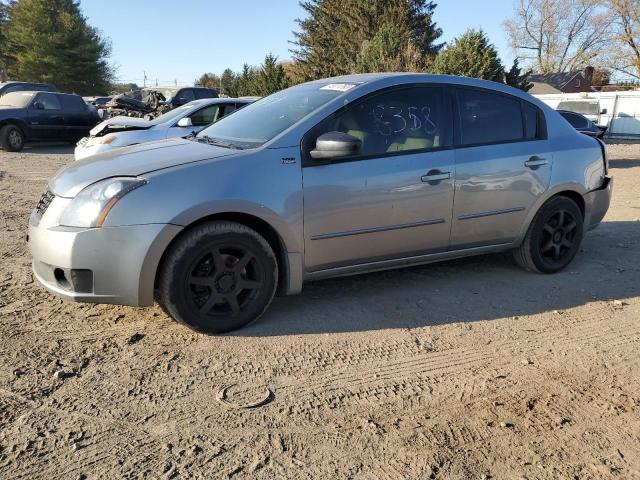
pixel 43 116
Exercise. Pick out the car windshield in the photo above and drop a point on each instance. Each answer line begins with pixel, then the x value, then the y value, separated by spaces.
pixel 174 114
pixel 168 93
pixel 16 99
pixel 261 121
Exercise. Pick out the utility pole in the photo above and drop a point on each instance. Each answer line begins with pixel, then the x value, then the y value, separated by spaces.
pixel 144 78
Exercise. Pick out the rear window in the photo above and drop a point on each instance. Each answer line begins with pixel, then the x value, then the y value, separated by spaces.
pixel 575 120
pixel 73 103
pixel 489 118
pixel 585 108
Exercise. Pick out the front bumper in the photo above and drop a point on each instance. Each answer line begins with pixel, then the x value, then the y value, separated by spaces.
pixel 99 265
pixel 597 203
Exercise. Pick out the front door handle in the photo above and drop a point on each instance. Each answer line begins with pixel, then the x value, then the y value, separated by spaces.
pixel 435 176
pixel 535 161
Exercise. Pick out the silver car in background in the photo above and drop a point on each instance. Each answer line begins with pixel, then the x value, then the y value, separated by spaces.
pixel 187 119
pixel 333 177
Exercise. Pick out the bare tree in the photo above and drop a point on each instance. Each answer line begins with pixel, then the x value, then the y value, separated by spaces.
pixel 558 35
pixel 624 51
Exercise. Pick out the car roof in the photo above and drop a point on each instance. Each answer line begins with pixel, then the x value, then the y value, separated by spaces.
pixel 381 80
pixel 212 101
pixel 11 82
pixel 54 93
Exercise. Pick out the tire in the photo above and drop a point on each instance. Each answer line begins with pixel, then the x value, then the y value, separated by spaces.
pixel 553 238
pixel 11 138
pixel 211 265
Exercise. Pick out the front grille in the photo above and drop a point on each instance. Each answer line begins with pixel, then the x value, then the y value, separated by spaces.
pixel 43 204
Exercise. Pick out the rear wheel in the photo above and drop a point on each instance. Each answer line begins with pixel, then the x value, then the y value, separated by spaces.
pixel 11 138
pixel 218 277
pixel 553 238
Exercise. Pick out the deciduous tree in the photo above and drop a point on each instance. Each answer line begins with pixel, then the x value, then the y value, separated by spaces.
pixel 558 35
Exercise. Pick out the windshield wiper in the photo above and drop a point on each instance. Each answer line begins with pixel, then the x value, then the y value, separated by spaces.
pixel 218 143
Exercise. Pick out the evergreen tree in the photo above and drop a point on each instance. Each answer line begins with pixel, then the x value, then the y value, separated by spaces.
pixel 333 35
pixel 271 77
pixel 470 55
pixel 245 82
pixel 51 41
pixel 4 52
pixel 390 50
pixel 227 81
pixel 515 78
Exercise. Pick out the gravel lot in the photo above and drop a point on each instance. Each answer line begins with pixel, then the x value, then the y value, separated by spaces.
pixel 466 369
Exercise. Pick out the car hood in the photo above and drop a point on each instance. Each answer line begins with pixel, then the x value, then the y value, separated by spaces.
pixel 133 161
pixel 120 124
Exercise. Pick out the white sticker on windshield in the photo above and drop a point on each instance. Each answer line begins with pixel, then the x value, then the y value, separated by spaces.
pixel 339 87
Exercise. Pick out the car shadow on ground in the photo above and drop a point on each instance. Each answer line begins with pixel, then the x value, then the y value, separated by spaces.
pixel 466 290
pixel 49 148
pixel 623 163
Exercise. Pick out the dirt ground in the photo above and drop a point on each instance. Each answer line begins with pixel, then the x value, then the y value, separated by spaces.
pixel 467 369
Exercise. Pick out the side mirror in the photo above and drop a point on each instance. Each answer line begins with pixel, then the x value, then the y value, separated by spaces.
pixel 603 111
pixel 185 122
pixel 336 145
pixel 38 106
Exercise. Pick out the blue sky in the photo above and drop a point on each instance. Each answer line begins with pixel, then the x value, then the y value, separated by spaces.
pixel 181 40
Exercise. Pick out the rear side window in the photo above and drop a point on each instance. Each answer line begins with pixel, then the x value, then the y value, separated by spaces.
pixel 532 121
pixel 73 103
pixel 201 93
pixel 489 118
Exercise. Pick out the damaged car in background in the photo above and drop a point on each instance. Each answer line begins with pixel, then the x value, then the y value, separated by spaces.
pixel 151 102
pixel 186 120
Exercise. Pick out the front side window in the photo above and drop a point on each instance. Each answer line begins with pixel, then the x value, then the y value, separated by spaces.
pixel 49 101
pixel 186 96
pixel 488 117
pixel 400 120
pixel 205 116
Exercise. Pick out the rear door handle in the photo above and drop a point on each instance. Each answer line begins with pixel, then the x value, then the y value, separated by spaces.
pixel 435 176
pixel 535 161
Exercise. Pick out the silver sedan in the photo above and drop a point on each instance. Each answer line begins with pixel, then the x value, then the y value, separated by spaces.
pixel 333 177
pixel 188 119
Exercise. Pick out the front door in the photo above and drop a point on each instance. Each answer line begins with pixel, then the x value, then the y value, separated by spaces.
pixel 46 117
pixel 503 164
pixel 392 200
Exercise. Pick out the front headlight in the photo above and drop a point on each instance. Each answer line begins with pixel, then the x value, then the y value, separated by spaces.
pixel 92 205
pixel 106 140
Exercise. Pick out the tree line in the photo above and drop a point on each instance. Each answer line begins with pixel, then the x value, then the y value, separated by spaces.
pixel 51 41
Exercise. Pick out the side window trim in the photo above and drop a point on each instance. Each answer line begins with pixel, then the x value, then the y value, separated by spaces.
pixel 542 127
pixel 448 142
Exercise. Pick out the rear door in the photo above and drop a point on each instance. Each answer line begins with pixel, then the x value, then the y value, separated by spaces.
pixel 76 116
pixel 502 165
pixel 392 200
pixel 46 117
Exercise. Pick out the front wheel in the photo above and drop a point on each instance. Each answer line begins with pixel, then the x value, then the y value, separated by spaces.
pixel 11 138
pixel 553 238
pixel 218 277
